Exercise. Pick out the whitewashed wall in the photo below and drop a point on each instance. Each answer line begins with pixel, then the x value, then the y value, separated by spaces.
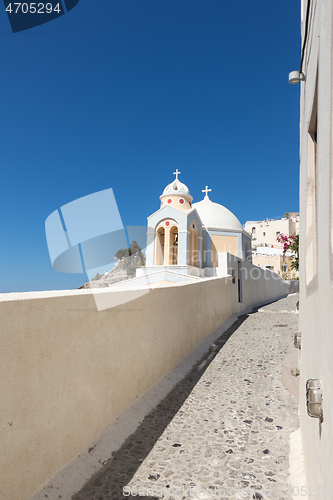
pixel 257 285
pixel 316 247
pixel 67 370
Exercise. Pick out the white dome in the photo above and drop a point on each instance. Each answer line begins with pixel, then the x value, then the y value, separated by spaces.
pixel 178 188
pixel 216 216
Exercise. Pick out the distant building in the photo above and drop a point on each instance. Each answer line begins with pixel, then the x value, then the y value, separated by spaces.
pixel 267 252
pixel 274 260
pixel 265 232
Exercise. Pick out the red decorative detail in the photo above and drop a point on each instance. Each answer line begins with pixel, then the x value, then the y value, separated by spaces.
pixel 167 223
pixel 169 200
pixel 190 203
pixel 193 225
pixel 181 201
pixel 161 203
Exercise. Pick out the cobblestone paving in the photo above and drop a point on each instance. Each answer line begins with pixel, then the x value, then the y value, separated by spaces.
pixel 226 425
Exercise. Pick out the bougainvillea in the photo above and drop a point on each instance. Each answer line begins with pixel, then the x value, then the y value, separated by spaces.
pixel 290 243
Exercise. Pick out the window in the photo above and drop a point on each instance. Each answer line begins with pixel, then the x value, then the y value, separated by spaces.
pixel 277 233
pixel 270 268
pixel 264 234
pixel 253 230
pixel 284 268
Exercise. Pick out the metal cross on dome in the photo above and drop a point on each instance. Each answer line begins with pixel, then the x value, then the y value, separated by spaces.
pixel 177 173
pixel 206 190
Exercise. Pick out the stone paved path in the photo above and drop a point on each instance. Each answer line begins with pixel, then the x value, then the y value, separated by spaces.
pixel 226 425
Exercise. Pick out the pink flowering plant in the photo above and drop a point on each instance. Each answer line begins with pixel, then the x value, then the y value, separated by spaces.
pixel 291 244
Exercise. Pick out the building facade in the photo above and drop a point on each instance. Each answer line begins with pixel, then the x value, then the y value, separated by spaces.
pixel 316 244
pixel 264 233
pixel 182 234
pixel 184 240
pixel 274 260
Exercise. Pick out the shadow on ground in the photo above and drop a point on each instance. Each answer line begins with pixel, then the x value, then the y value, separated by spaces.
pixel 108 483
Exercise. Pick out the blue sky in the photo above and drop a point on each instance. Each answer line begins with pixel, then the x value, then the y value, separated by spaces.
pixel 119 93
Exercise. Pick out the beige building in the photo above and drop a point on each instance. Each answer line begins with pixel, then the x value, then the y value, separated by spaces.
pixel 274 260
pixel 264 233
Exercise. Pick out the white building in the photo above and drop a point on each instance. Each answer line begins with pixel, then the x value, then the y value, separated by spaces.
pixel 184 240
pixel 264 233
pixel 316 244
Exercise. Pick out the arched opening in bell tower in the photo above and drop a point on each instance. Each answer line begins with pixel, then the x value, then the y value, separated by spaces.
pixel 173 252
pixel 159 246
pixel 166 243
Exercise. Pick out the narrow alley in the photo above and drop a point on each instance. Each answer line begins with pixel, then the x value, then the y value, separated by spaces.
pixel 223 431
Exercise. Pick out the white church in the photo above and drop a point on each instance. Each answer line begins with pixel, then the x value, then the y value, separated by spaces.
pixel 185 239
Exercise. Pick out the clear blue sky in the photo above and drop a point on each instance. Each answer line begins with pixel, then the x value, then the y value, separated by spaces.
pixel 119 93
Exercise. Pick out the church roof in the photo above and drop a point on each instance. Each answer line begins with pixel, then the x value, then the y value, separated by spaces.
pixel 216 216
pixel 177 188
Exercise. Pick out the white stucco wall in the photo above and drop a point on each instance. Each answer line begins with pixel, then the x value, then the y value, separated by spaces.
pixel 257 285
pixel 266 231
pixel 67 371
pixel 260 285
pixel 316 299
